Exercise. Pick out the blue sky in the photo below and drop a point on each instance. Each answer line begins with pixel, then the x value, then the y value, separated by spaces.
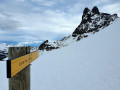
pixel 33 20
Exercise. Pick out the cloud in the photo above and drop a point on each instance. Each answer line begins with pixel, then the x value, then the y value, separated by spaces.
pixel 98 2
pixel 51 22
pixel 111 8
pixel 41 25
pixel 48 3
pixel 6 23
pixel 76 8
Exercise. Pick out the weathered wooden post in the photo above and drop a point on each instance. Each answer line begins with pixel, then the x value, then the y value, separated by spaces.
pixel 21 81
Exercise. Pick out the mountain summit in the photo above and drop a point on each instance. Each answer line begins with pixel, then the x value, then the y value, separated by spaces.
pixel 93 20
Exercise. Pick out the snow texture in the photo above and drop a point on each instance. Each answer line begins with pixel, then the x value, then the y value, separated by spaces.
pixel 91 64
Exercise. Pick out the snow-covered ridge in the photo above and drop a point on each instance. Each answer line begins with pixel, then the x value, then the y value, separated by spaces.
pixel 90 64
pixel 92 22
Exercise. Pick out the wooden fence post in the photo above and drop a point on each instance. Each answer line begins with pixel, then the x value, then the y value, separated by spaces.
pixel 20 81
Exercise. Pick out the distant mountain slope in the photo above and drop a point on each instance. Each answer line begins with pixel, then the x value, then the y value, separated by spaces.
pixel 3 51
pixel 92 22
pixel 5 44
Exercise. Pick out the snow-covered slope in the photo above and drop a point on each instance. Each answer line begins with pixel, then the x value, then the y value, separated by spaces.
pixel 91 64
pixel 92 21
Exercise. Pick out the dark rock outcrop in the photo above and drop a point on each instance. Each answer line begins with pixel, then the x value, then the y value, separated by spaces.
pixel 46 46
pixel 86 11
pixel 3 54
pixel 93 21
pixel 95 10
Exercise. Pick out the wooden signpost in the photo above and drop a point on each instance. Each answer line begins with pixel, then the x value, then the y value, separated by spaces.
pixel 18 67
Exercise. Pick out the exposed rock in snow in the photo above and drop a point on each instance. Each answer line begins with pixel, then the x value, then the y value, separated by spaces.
pixel 92 22
pixel 95 10
pixel 3 51
pixel 91 64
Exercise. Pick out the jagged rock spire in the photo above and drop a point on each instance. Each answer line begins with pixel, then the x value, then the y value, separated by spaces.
pixel 93 21
pixel 95 10
pixel 86 10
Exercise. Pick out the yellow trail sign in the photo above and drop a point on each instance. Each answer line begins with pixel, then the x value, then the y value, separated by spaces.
pixel 16 65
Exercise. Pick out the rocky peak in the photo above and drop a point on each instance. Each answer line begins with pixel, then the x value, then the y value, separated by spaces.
pixel 93 21
pixel 95 10
pixel 47 46
pixel 86 11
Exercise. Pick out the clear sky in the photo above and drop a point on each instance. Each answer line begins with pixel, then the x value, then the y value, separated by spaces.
pixel 32 20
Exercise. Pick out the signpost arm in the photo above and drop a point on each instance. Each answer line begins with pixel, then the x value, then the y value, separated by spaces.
pixel 20 81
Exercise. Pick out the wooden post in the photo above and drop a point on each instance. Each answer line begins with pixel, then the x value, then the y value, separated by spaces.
pixel 20 81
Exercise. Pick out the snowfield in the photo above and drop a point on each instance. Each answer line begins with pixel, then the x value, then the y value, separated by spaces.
pixel 92 63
